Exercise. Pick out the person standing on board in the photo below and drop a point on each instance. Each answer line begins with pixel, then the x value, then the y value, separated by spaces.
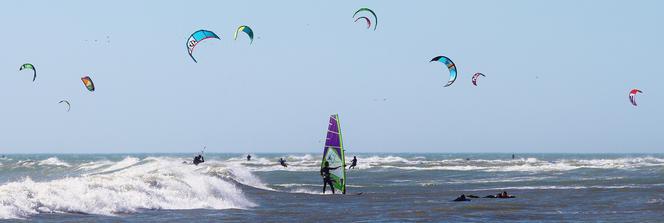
pixel 353 163
pixel 325 172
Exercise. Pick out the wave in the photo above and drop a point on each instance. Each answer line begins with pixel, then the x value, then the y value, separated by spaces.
pixel 310 163
pixel 122 164
pixel 545 187
pixel 53 161
pixel 152 183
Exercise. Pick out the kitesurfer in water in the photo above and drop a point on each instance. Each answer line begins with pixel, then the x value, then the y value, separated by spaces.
pixel 353 163
pixel 198 159
pixel 248 157
pixel 283 162
pixel 462 198
pixel 512 156
pixel 325 172
pixel 501 195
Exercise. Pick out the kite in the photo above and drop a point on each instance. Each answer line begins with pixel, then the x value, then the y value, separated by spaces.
pixel 88 83
pixel 197 37
pixel 31 67
pixel 475 76
pixel 450 65
pixel 66 102
pixel 368 21
pixel 632 95
pixel 246 30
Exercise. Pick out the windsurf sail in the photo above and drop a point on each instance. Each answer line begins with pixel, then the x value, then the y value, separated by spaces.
pixel 333 153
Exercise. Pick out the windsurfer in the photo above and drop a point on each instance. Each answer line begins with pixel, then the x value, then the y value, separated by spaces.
pixel 325 173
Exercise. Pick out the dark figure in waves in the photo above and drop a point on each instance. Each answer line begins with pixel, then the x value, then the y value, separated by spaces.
pixel 248 157
pixel 501 195
pixel 353 163
pixel 462 198
pixel 198 159
pixel 283 162
pixel 325 173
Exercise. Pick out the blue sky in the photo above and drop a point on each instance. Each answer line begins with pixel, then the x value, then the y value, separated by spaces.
pixel 557 76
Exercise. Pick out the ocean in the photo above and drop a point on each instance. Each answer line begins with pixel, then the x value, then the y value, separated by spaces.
pixel 394 188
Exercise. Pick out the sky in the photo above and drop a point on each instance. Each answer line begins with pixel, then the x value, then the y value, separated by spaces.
pixel 557 79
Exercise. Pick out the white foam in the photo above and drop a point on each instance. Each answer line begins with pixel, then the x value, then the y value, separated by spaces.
pixel 310 191
pixel 94 165
pixel 153 184
pixel 124 163
pixel 240 174
pixel 54 161
pixel 310 163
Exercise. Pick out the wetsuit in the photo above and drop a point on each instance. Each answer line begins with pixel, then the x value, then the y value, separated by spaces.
pixel 283 162
pixel 353 163
pixel 462 198
pixel 198 159
pixel 248 157
pixel 325 172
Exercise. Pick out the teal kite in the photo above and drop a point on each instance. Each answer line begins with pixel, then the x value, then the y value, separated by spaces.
pixel 197 37
pixel 450 65
pixel 246 30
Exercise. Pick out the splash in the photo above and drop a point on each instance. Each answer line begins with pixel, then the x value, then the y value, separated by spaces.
pixel 155 183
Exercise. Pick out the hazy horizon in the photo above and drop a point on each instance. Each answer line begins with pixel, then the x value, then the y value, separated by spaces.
pixel 557 77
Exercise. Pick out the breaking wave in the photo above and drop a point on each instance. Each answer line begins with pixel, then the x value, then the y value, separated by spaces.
pixel 122 187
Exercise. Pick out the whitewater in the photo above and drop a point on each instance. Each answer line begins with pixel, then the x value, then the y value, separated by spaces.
pixel 394 187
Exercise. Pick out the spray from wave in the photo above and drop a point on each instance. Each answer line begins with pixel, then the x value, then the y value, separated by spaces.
pixel 123 187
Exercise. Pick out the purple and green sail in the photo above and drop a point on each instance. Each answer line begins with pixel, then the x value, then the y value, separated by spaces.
pixel 333 153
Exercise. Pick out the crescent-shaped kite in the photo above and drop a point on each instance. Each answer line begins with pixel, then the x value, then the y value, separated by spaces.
pixel 30 67
pixel 372 13
pixel 246 30
pixel 66 102
pixel 450 65
pixel 88 83
pixel 366 19
pixel 632 95
pixel 197 37
pixel 475 76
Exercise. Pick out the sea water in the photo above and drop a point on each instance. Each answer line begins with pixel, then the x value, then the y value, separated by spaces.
pixel 393 187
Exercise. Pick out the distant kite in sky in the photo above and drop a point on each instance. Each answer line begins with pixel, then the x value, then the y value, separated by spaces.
pixel 197 37
pixel 29 66
pixel 450 65
pixel 366 20
pixel 88 83
pixel 246 30
pixel 67 103
pixel 475 76
pixel 632 95
pixel 375 23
